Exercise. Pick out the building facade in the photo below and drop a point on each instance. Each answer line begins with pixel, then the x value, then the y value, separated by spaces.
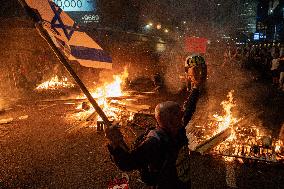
pixel 122 15
pixel 270 21
pixel 247 16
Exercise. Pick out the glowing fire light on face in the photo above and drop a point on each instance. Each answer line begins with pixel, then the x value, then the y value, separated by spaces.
pixel 55 83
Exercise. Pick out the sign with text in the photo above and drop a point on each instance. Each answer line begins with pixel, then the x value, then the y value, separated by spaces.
pixel 76 5
pixel 82 11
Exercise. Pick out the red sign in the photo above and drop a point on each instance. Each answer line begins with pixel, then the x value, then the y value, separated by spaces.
pixel 195 44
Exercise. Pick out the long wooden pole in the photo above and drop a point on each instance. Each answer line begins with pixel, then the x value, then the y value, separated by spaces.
pixel 66 64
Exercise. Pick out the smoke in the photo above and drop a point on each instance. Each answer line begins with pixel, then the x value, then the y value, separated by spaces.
pixel 224 78
pixel 172 67
pixel 8 97
pixel 8 91
pixel 106 76
pixel 255 99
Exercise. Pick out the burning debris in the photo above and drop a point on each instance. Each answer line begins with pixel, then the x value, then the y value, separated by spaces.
pixel 55 83
pixel 6 121
pixel 231 137
pixel 109 97
pixel 226 135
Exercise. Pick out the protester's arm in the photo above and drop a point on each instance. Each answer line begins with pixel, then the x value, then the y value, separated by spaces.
pixel 128 160
pixel 190 105
pixel 196 76
pixel 137 158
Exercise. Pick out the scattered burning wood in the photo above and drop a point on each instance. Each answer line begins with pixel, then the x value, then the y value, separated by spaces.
pixel 6 121
pixel 214 141
pixel 233 138
pixel 92 116
pixel 83 99
pixel 218 135
pixel 55 83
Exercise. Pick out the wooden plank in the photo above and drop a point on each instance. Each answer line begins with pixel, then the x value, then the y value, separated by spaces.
pixel 214 141
pixel 135 97
pixel 92 116
pixel 6 121
pixel 135 108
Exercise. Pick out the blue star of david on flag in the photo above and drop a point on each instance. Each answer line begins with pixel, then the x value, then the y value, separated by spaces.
pixel 57 22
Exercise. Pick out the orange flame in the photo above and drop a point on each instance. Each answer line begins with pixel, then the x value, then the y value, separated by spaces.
pixel 110 89
pixel 55 83
pixel 248 141
pixel 241 139
pixel 278 146
pixel 227 120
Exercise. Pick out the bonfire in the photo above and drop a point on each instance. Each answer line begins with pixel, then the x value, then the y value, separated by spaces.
pixel 105 96
pixel 232 137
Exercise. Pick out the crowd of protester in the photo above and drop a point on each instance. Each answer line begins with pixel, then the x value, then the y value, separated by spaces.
pixel 267 60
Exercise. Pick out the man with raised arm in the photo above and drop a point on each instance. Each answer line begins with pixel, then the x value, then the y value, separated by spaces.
pixel 162 157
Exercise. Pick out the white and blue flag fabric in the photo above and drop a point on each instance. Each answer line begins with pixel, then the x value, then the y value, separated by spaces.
pixel 74 44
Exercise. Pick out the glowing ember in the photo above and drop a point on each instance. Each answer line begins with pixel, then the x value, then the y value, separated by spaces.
pixel 55 83
pixel 278 146
pixel 131 116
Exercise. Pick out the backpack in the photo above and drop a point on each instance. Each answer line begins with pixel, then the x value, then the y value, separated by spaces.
pixel 148 176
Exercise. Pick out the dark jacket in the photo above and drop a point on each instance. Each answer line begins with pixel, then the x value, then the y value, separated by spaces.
pixel 158 154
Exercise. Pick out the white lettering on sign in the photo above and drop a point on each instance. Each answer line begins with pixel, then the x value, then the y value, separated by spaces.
pixel 76 5
pixel 90 18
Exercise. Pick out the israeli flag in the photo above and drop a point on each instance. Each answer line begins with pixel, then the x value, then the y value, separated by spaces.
pixel 74 44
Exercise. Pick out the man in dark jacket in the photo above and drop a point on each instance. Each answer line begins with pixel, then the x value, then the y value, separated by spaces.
pixel 160 150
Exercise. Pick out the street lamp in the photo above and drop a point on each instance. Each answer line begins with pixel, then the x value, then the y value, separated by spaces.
pixel 148 26
pixel 159 26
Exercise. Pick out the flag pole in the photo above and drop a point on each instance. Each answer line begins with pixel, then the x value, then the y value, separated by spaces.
pixel 65 62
